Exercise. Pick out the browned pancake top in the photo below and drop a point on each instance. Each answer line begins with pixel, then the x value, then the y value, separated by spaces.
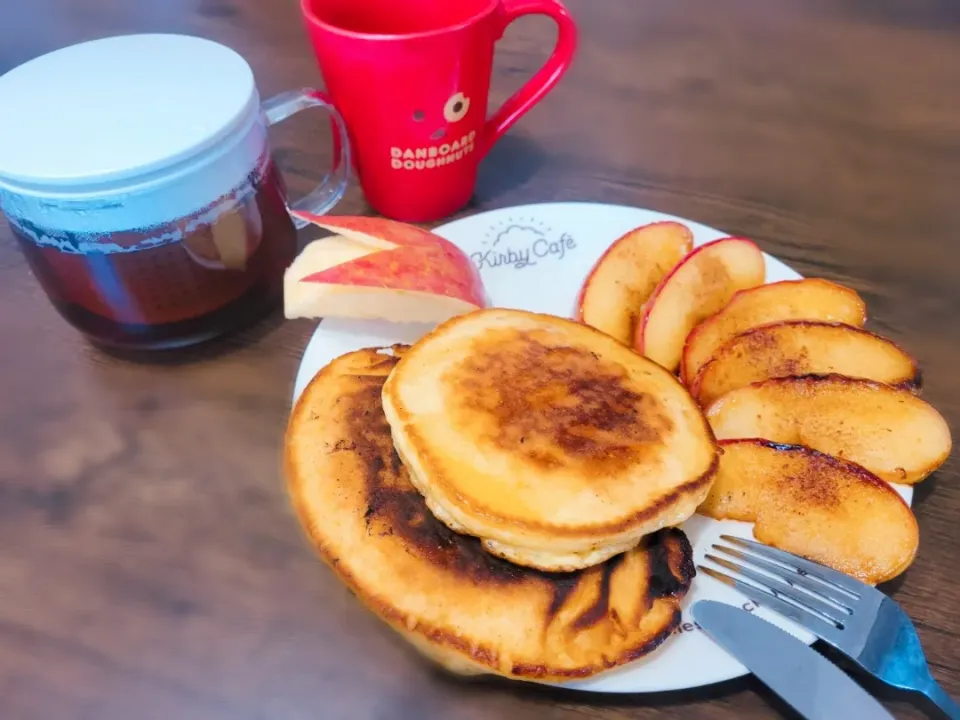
pixel 555 406
pixel 394 507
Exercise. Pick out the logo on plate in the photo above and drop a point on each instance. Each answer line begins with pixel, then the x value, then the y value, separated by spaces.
pixel 689 625
pixel 520 243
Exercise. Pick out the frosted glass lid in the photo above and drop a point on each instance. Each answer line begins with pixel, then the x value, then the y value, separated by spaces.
pixel 100 113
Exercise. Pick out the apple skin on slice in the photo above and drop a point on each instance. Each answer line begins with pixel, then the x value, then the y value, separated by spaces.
pixel 433 270
pixel 889 431
pixel 825 509
pixel 422 261
pixel 803 347
pixel 380 269
pixel 697 287
pixel 362 228
pixel 625 276
pixel 807 299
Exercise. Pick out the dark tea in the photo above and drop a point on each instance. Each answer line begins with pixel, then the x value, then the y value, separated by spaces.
pixel 172 284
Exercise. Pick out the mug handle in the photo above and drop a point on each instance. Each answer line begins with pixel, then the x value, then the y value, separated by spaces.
pixel 328 193
pixel 546 77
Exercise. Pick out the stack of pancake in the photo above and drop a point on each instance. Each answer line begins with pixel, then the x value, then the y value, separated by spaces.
pixel 504 492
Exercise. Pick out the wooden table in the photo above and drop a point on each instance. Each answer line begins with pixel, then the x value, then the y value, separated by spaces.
pixel 150 566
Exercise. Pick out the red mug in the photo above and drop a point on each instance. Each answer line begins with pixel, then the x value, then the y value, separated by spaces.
pixel 411 79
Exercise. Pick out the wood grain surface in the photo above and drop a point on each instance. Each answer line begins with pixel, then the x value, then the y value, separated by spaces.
pixel 150 565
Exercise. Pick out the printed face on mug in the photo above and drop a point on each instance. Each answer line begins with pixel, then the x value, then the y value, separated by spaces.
pixel 452 139
pixel 411 79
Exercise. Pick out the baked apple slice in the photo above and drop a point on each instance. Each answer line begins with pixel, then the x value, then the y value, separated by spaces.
pixel 827 510
pixel 889 431
pixel 808 299
pixel 626 274
pixel 803 347
pixel 375 268
pixel 697 287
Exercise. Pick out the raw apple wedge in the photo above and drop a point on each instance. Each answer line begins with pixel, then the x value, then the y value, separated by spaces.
pixel 697 287
pixel 828 510
pixel 808 299
pixel 626 274
pixel 889 431
pixel 380 269
pixel 803 347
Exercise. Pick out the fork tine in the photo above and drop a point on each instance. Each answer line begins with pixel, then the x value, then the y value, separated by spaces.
pixel 840 598
pixel 827 613
pixel 764 598
pixel 803 567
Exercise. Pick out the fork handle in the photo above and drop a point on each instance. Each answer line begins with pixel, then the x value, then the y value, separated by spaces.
pixel 939 697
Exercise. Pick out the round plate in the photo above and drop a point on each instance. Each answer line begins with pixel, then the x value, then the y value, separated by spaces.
pixel 535 257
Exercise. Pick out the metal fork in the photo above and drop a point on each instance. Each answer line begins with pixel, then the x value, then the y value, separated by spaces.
pixel 856 619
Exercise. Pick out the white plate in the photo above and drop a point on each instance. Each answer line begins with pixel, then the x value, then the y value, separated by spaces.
pixel 534 257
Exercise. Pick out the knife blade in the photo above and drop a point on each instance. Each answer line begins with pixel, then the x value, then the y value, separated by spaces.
pixel 804 679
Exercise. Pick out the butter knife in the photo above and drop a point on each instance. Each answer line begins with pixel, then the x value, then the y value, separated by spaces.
pixel 804 679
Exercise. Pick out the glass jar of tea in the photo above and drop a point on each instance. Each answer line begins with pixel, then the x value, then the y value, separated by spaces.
pixel 136 175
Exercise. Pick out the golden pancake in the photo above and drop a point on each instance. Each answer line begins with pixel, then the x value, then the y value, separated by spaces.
pixel 550 441
pixel 469 611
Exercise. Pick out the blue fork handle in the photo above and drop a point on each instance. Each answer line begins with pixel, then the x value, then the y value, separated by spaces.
pixel 939 697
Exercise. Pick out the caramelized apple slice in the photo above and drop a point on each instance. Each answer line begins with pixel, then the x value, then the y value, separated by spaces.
pixel 809 299
pixel 889 431
pixel 626 274
pixel 828 510
pixel 701 284
pixel 802 347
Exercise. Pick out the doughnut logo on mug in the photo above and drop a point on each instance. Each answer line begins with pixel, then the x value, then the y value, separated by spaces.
pixel 424 158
